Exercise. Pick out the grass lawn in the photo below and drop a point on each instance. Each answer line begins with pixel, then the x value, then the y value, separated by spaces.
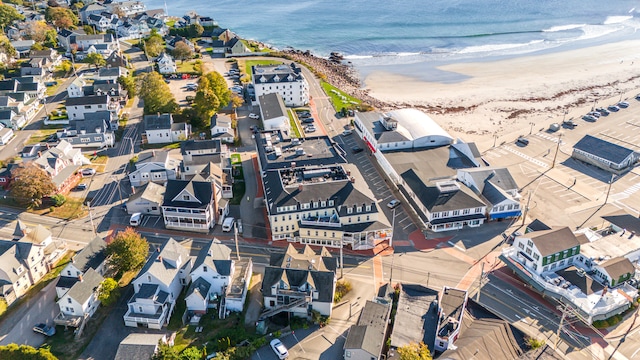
pixel 51 90
pixel 97 162
pixel 235 159
pixel 175 145
pixel 239 187
pixel 186 66
pixel 71 209
pixel 171 23
pixel 249 63
pixel 294 124
pixel 336 100
pixel 40 136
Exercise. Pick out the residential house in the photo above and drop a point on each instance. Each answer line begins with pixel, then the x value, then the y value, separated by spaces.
pixel 51 57
pixel 105 44
pixel 220 178
pixel 117 60
pixel 104 21
pixel 604 154
pixel 30 86
pixel 496 187
pixel 366 339
pixel 31 151
pixel 38 73
pixel 299 282
pixel 5 178
pixel 548 250
pixel 189 206
pixel 40 236
pixel 22 264
pixel 154 166
pixel 452 307
pixel 158 285
pixel 82 298
pixel 6 134
pixel 236 46
pixel 23 47
pixel 161 129
pixel 211 275
pixel 111 73
pixel 418 314
pixel 614 271
pixel 65 36
pixel 94 132
pixel 62 164
pixel 92 256
pixel 221 128
pixel 91 9
pixel 133 29
pixel 9 119
pixel 128 8
pixel 171 42
pixel 285 80
pixel 146 200
pixel 108 87
pixel 13 111
pixel 140 346
pixel 76 88
pixel 78 107
pixel 207 21
pixel 166 64
pixel 273 112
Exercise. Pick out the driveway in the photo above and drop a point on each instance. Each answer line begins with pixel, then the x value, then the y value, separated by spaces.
pixel 17 327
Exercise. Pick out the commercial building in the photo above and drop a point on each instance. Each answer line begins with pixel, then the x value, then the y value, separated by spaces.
pixel 285 80
pixel 605 155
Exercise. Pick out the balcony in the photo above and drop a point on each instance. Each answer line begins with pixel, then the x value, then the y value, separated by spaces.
pixel 292 293
pixel 67 320
pixel 188 225
pixel 331 221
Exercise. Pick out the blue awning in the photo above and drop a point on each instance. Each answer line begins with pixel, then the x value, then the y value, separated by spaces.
pixel 503 215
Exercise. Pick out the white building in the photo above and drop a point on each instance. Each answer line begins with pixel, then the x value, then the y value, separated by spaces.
pixel 166 64
pixel 6 134
pixel 82 298
pixel 161 129
pixel 189 206
pixel 496 187
pixel 154 166
pixel 286 80
pixel 274 114
pixel 77 107
pixel 211 274
pixel 221 128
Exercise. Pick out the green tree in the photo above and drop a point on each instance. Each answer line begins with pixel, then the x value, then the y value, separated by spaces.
pixel 6 47
pixel 25 352
pixel 182 51
pixel 64 67
pixel 95 59
pixel 191 353
pixel 129 84
pixel 37 47
pixel 195 30
pixel 58 199
pixel 88 29
pixel 236 101
pixel 414 351
pixel 31 184
pixel 15 2
pixel 51 39
pixel 166 352
pixel 128 250
pixel 153 45
pixel 61 18
pixel 109 292
pixel 8 14
pixel 212 95
pixel 156 94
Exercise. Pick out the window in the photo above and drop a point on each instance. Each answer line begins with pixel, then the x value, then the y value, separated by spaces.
pixel 330 202
pixel 283 218
pixel 87 107
pixel 536 256
pixel 466 211
pixel 204 268
pixel 529 243
pixel 349 210
pixel 435 215
pixel 528 251
pixel 521 246
pixel 456 212
pixel 69 300
pixel 359 209
pixel 478 210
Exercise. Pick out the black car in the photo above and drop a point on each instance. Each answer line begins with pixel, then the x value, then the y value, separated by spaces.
pixel 356 149
pixel 304 114
pixel 603 111
pixel 307 121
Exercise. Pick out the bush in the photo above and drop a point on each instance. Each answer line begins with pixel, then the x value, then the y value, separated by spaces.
pixel 58 200
pixel 534 343
pixel 342 288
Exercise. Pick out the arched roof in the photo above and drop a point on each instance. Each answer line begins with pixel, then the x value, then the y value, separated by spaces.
pixel 414 124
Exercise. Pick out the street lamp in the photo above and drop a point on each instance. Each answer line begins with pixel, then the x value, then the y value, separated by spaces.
pixel 495 138
pixel 557 148
pixel 531 130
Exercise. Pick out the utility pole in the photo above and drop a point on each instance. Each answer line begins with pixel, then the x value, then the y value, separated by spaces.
pixel 480 282
pixel 532 124
pixel 393 225
pixel 341 259
pixel 495 138
pixel 555 156
pixel 564 314
pixel 114 178
pixel 609 189
pixel 93 228
pixel 235 232
pixel 526 208
pixel 428 276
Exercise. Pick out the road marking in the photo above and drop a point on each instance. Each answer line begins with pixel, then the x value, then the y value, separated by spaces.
pixel 527 157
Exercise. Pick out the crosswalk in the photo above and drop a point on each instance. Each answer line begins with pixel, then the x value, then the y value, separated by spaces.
pixel 549 137
pixel 526 157
pixel 630 190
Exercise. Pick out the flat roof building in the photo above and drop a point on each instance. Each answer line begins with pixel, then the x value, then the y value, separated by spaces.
pixel 604 154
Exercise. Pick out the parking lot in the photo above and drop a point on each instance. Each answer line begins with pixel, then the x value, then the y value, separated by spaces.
pixel 179 90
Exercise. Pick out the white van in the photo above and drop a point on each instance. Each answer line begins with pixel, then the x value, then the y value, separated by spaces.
pixel 136 219
pixel 227 225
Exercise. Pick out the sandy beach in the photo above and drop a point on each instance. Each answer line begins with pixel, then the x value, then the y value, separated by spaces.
pixel 505 97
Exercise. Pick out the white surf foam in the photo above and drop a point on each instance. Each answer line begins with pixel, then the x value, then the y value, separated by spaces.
pixel 564 27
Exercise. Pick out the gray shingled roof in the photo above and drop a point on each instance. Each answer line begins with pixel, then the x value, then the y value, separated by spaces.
pixel 91 256
pixel 369 333
pixel 202 190
pixel 82 290
pixel 87 100
pixel 138 346
pixel 158 122
pixel 322 280
pixel 216 256
pixel 160 263
pixel 199 286
pixel 603 149
pixel 552 241
pixel 617 267
pixel 272 106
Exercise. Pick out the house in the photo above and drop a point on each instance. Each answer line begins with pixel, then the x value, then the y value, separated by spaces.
pixel 496 187
pixel 76 88
pixel 94 132
pixel 158 285
pixel 77 107
pixel 9 119
pixel 198 154
pixel 5 178
pixel 147 200
pixel 221 179
pixel 112 73
pixel 366 339
pixel 166 64
pixel 286 80
pixel 547 250
pixel 22 264
pixel 604 154
pixel 64 37
pixel 155 166
pixel 14 112
pixel 107 87
pixel 452 307
pixel 140 346
pixel 133 29
pixel 274 114
pixel 614 271
pixel 211 275
pixel 51 57
pixel 116 59
pixel 92 256
pixel 221 128
pixel 23 47
pixel 189 206
pixel 161 129
pixel 40 236
pixel 91 9
pixel 128 8
pixel 6 134
pixel 82 298
pixel 31 87
pixel 171 42
pixel 31 151
pixel 62 163
pixel 418 314
pixel 105 44
pixel 298 282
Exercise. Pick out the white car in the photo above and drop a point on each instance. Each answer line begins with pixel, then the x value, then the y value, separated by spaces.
pixel 254 116
pixel 310 129
pixel 88 172
pixel 278 348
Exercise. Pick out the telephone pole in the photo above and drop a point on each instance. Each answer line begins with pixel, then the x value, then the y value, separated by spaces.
pixel 480 282
pixel 526 209
pixel 93 228
pixel 564 314
pixel 341 260
pixel 235 231
pixel 555 156
pixel 609 189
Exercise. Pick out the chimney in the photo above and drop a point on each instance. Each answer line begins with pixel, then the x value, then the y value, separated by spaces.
pixel 353 180
pixel 300 187
pixel 159 258
pixel 80 277
pixel 153 153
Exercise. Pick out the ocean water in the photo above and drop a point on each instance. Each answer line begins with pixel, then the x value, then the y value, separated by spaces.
pixel 391 32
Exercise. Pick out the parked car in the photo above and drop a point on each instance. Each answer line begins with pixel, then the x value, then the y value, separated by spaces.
pixel 638 97
pixel 623 104
pixel 44 329
pixel 189 98
pixel 304 114
pixel 603 111
pixel 613 108
pixel 523 140
pixel 227 225
pixel 254 116
pixel 307 120
pixel 347 132
pixel 356 149
pixel 192 87
pixel 81 186
pixel 393 204
pixel 589 118
pixel 569 124
pixel 310 128
pixel 136 219
pixel 554 127
pixel 279 348
pixel 88 172
pixel 594 113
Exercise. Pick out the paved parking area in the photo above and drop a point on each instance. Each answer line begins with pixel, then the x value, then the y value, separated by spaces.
pixel 179 90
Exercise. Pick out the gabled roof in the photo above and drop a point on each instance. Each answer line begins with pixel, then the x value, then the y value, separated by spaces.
pixel 216 256
pixel 417 311
pixel 201 190
pixel 323 280
pixel 91 256
pixel 435 199
pixel 138 346
pixel 200 287
pixel 603 149
pixel 624 220
pixel 151 192
pixel 158 122
pixel 87 100
pixel 552 241
pixel 191 145
pixel 36 235
pixel 617 267
pixel 292 259
pixel 162 262
pixel 82 290
pixel 370 331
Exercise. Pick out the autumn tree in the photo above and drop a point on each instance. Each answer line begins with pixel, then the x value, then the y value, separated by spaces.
pixel 37 31
pixel 25 352
pixel 109 292
pixel 236 101
pixel 182 51
pixel 153 45
pixel 156 94
pixel 195 30
pixel 14 2
pixel 88 29
pixel 61 18
pixel 129 84
pixel 127 251
pixel 8 14
pixel 166 352
pixel 31 184
pixel 6 47
pixel 414 351
pixel 212 95
pixel 95 59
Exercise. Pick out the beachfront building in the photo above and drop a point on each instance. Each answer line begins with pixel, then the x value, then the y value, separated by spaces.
pixel 496 187
pixel 604 154
pixel 585 270
pixel 273 112
pixel 404 129
pixel 314 197
pixel 285 80
pixel 367 337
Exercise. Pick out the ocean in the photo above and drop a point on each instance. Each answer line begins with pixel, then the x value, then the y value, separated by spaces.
pixel 395 32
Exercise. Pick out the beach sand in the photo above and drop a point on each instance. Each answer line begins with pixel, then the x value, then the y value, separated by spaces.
pixel 505 97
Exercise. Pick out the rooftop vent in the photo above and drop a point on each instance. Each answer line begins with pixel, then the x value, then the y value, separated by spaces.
pixel 448 186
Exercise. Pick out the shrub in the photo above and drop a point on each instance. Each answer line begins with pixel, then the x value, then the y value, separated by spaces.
pixel 58 200
pixel 342 288
pixel 277 334
pixel 534 343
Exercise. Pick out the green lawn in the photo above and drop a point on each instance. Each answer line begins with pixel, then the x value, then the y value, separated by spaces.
pixel 171 23
pixel 249 63
pixel 294 124
pixel 40 136
pixel 336 99
pixel 235 159
pixel 51 90
pixel 186 66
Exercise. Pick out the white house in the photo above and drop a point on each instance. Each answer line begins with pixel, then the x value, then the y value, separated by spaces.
pixel 161 129
pixel 547 250
pixel 6 134
pixel 221 128
pixel 82 299
pixel 75 89
pixel 22 264
pixel 92 256
pixel 211 274
pixel 496 187
pixel 274 113
pixel 286 80
pixel 146 200
pixel 189 206
pixel 158 285
pixel 154 166
pixel 366 338
pixel 77 107
pixel 604 154
pixel 166 64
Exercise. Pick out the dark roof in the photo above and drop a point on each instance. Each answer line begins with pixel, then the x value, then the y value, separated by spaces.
pixel 617 267
pixel 293 259
pixel 417 311
pixel 317 151
pixel 138 346
pixel 552 241
pixel 322 280
pixel 190 145
pixel 202 190
pixel 603 149
pixel 272 106
pixel 537 225
pixel 91 256
pixel 82 290
pixel 436 199
pixel 370 331
pixel 583 281
pixel 216 256
pixel 201 286
pixel 158 122
pixel 87 100
pixel 66 282
pixel 624 220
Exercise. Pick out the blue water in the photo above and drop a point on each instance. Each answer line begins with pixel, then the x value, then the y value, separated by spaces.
pixel 407 31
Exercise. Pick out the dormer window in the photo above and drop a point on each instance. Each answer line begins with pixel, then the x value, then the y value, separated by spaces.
pixel 330 202
pixel 349 210
pixel 204 269
pixel 359 209
pixel 323 203
pixel 368 208
pixel 186 197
